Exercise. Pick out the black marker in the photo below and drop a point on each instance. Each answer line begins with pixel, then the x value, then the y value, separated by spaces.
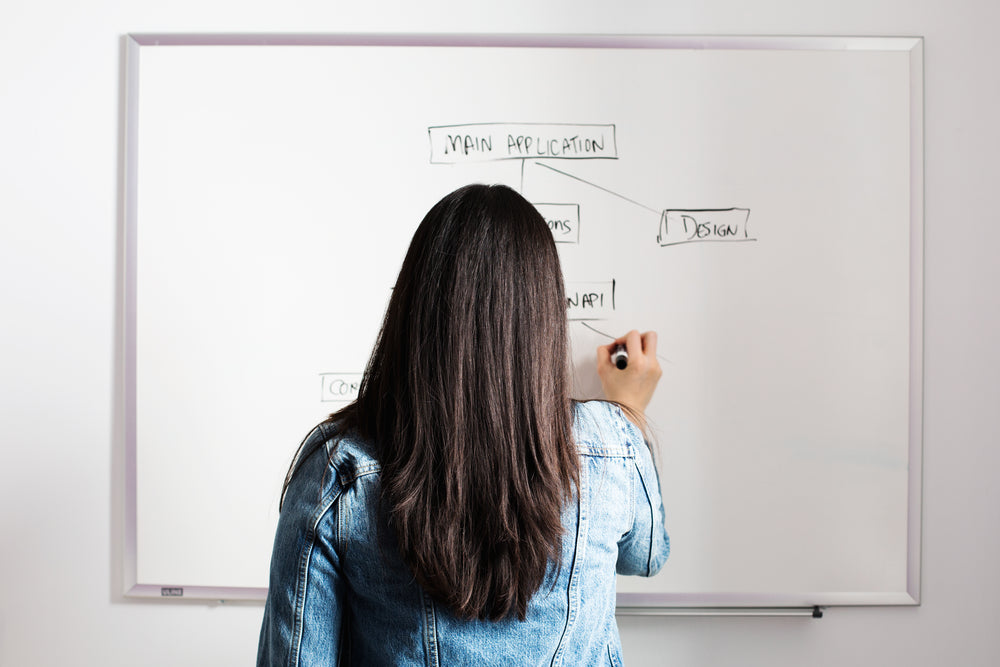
pixel 619 356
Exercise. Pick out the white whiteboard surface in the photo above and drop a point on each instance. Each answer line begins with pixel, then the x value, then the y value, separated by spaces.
pixel 757 201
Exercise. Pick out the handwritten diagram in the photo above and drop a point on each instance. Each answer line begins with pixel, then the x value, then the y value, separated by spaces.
pixel 537 142
pixel 587 301
pixel 481 142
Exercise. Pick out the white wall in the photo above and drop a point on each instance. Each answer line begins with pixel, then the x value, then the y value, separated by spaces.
pixel 61 462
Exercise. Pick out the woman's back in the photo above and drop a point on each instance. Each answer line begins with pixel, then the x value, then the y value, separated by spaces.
pixel 339 591
pixel 468 513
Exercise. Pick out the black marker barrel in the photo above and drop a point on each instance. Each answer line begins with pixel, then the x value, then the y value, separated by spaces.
pixel 619 357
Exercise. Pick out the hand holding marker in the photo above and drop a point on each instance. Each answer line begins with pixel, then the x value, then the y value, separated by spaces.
pixel 629 369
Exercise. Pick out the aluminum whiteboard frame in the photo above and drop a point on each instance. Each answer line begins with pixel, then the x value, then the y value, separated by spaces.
pixel 628 603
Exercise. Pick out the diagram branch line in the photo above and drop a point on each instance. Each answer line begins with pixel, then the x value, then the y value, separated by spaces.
pixel 599 187
pixel 597 330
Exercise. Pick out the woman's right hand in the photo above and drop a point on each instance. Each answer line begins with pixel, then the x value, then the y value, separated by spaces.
pixel 634 385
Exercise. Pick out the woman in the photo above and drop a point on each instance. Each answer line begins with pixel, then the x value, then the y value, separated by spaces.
pixel 463 510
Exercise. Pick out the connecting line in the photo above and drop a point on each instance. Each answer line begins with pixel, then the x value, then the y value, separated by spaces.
pixel 522 177
pixel 599 187
pixel 596 331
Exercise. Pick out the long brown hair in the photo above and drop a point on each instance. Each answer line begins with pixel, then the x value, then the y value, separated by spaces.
pixel 466 399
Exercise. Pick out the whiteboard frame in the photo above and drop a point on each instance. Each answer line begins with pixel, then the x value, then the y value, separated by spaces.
pixel 628 603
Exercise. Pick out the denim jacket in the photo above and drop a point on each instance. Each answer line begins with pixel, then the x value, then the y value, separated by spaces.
pixel 340 595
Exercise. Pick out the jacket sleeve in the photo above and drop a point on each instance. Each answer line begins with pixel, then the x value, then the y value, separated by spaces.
pixel 644 549
pixel 304 611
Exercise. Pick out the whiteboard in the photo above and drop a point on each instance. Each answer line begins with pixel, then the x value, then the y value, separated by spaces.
pixel 756 201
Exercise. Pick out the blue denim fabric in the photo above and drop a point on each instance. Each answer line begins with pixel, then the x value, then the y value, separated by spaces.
pixel 339 593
